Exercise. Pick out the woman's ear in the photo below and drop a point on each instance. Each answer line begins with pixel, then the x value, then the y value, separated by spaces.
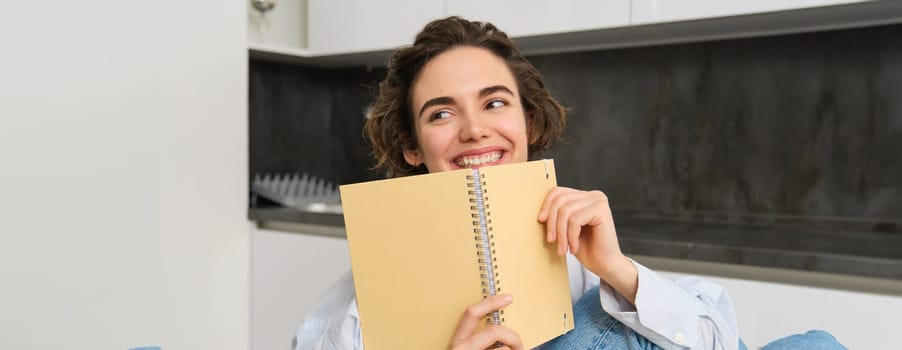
pixel 413 157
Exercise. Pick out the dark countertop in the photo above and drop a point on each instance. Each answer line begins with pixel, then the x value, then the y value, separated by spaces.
pixel 279 214
pixel 864 248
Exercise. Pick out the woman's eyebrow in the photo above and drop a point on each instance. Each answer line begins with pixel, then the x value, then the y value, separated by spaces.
pixel 493 89
pixel 444 100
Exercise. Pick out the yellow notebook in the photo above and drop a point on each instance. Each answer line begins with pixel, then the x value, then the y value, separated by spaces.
pixel 418 248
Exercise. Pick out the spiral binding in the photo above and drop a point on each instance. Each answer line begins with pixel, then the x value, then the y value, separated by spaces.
pixel 485 245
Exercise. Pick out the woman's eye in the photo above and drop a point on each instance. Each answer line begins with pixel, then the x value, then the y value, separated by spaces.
pixel 495 104
pixel 439 115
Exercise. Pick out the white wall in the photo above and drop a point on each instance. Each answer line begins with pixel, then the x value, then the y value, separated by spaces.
pixel 123 183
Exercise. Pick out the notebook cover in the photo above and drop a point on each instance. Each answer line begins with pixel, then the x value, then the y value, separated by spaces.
pixel 414 262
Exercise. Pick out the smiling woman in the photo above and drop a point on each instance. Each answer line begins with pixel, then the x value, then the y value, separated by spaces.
pixel 463 97
pixel 475 56
pixel 470 113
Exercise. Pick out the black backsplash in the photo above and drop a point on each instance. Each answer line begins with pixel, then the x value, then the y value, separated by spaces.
pixel 806 124
pixel 310 120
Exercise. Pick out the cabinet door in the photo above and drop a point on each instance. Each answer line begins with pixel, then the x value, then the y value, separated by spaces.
pixel 282 27
pixel 657 11
pixel 347 26
pixel 290 272
pixel 536 17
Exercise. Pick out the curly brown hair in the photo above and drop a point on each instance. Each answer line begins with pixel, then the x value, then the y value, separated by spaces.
pixel 390 124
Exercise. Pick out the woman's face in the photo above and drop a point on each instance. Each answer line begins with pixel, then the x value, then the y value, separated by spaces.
pixel 467 112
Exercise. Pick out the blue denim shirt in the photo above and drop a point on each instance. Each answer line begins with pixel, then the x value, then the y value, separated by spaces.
pixel 689 313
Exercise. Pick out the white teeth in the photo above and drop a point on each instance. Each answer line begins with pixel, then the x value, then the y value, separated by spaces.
pixel 474 161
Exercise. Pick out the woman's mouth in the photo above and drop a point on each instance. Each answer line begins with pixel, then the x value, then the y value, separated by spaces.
pixel 477 160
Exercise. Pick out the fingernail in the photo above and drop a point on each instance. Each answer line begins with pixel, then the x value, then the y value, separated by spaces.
pixel 542 215
pixel 507 298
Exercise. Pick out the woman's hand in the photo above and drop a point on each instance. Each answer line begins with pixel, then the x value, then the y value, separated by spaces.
pixel 581 222
pixel 466 339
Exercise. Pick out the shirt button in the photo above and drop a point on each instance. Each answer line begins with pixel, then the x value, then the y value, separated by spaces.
pixel 680 337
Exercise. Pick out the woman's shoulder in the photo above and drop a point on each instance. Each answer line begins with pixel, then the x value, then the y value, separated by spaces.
pixel 333 320
pixel 339 300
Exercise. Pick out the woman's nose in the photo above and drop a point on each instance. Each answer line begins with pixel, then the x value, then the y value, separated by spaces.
pixel 474 128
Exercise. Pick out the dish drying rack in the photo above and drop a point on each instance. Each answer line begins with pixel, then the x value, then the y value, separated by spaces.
pixel 299 191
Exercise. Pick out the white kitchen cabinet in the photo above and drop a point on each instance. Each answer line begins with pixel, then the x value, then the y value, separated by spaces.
pixel 350 26
pixel 289 274
pixel 538 17
pixel 281 29
pixel 660 11
pixel 335 33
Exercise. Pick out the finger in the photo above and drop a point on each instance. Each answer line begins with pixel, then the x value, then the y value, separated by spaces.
pixel 563 239
pixel 495 334
pixel 563 207
pixel 573 228
pixel 575 203
pixel 474 314
pixel 549 215
pixel 581 215
pixel 551 225
pixel 545 212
